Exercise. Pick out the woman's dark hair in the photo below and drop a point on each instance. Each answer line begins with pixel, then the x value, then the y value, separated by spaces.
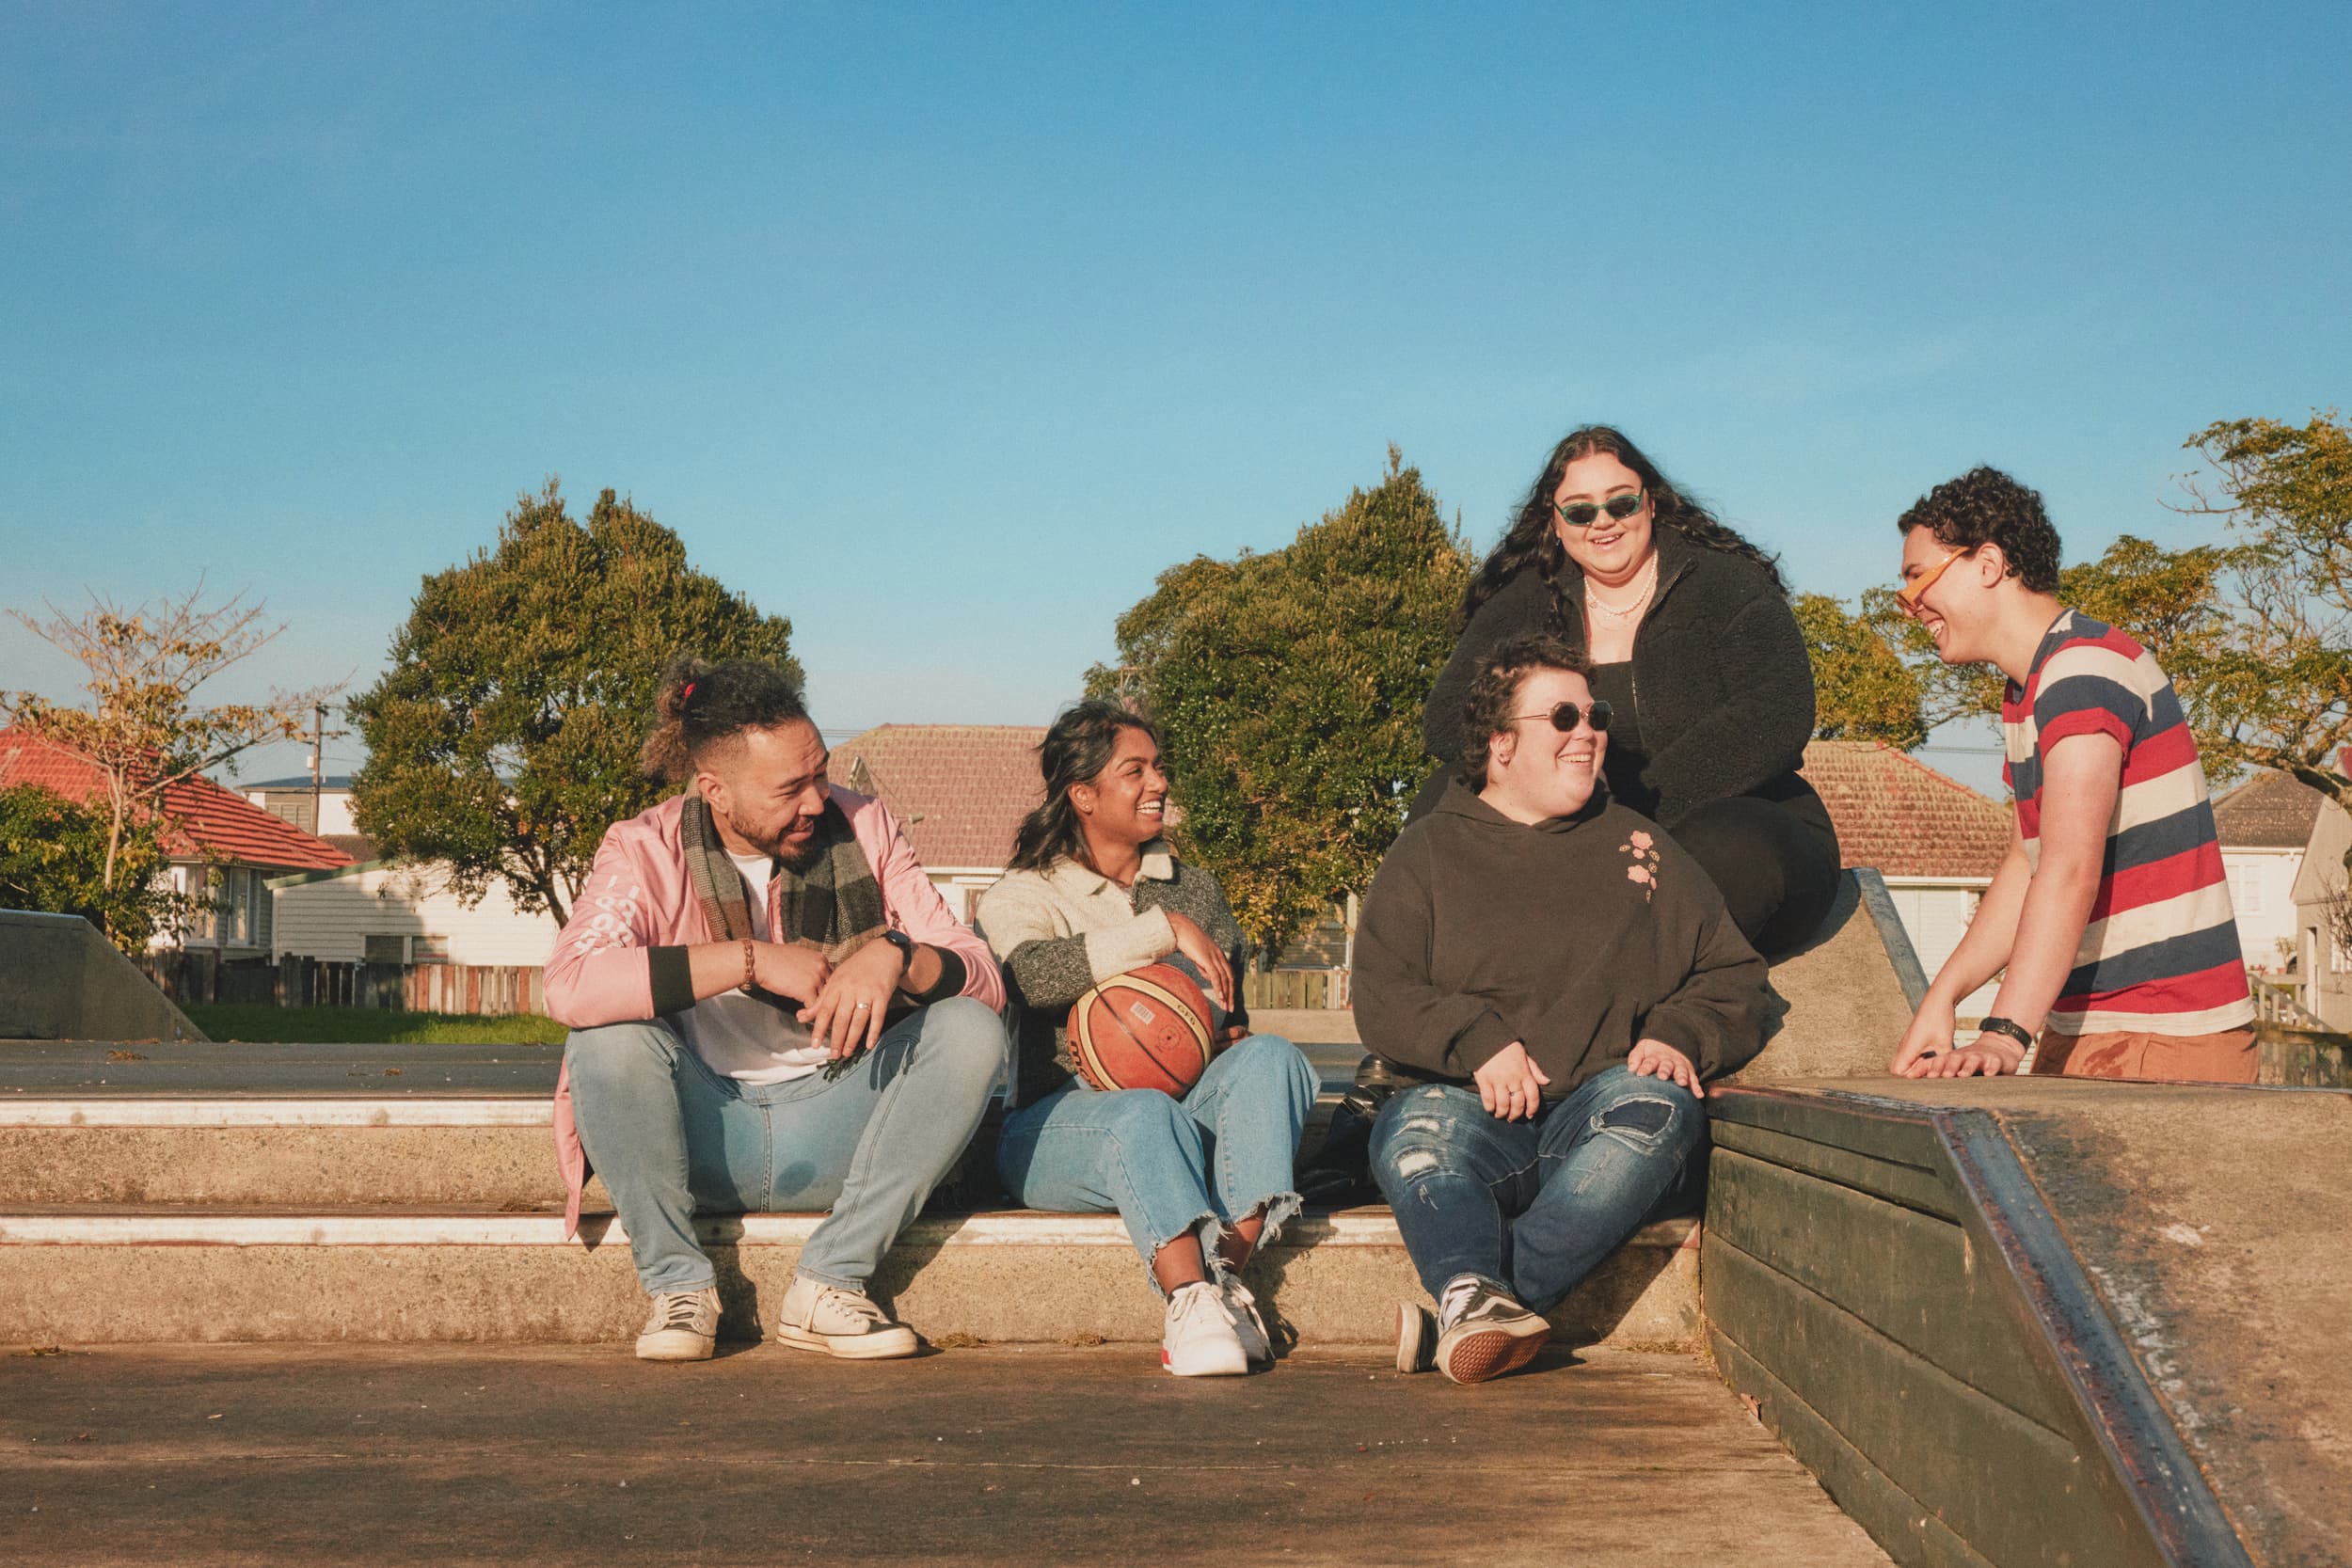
pixel 1532 540
pixel 1074 752
pixel 1494 691
pixel 700 706
pixel 1984 506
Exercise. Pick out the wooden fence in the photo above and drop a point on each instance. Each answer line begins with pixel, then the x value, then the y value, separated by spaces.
pixel 198 975
pixel 1294 988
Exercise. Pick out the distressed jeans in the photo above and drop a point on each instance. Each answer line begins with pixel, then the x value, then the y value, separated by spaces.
pixel 1530 1207
pixel 672 1139
pixel 1169 1165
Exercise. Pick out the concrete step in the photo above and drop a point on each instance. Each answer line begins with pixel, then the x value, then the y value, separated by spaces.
pixel 94 1275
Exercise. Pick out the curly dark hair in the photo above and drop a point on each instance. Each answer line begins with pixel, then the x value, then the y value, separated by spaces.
pixel 700 707
pixel 1075 751
pixel 1534 542
pixel 1494 691
pixel 1985 506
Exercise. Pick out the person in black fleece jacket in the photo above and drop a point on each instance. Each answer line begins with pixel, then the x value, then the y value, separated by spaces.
pixel 1556 979
pixel 1694 645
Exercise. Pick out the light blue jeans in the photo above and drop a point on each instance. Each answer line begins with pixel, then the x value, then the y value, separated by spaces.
pixel 1169 1165
pixel 671 1138
pixel 1530 1207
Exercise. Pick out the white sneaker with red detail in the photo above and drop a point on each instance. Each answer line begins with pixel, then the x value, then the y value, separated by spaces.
pixel 1200 1339
pixel 684 1326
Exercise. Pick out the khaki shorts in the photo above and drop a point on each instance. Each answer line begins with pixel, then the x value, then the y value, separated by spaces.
pixel 2229 1057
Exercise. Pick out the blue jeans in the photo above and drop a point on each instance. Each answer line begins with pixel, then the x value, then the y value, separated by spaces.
pixel 670 1137
pixel 1169 1165
pixel 1530 1207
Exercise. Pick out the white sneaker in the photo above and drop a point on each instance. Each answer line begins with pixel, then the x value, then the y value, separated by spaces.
pixel 1200 1339
pixel 1240 1306
pixel 684 1326
pixel 840 1323
pixel 1483 1333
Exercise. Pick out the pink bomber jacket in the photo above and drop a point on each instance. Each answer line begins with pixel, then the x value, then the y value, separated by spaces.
pixel 638 899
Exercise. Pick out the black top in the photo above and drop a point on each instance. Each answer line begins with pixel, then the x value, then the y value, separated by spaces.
pixel 1719 676
pixel 1621 764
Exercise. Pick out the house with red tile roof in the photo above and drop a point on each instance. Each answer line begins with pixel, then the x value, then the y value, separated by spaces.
pixel 219 843
pixel 961 789
pixel 1936 841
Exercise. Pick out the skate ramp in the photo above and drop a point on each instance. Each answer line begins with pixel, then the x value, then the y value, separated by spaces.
pixel 2046 1322
pixel 62 979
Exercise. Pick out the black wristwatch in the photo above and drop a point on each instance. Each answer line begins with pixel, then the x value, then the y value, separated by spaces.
pixel 905 944
pixel 2008 1030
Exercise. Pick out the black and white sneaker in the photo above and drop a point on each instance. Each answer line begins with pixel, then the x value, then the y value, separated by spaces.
pixel 1483 1333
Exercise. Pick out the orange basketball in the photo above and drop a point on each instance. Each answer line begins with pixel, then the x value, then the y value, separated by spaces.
pixel 1147 1029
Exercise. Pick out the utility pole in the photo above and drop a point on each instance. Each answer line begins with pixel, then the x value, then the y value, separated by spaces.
pixel 318 759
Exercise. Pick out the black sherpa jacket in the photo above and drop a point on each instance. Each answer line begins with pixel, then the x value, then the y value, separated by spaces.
pixel 1577 937
pixel 1720 673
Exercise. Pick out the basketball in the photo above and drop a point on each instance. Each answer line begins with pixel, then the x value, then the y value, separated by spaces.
pixel 1149 1029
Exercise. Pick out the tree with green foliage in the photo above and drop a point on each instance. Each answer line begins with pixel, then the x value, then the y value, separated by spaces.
pixel 2277 691
pixel 1862 689
pixel 65 858
pixel 1288 687
pixel 503 740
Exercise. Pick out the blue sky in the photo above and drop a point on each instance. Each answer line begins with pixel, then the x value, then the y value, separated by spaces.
pixel 943 328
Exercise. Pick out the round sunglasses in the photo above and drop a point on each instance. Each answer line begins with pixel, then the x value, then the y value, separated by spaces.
pixel 1564 716
pixel 1584 513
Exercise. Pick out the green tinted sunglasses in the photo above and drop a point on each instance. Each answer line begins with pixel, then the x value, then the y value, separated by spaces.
pixel 1584 513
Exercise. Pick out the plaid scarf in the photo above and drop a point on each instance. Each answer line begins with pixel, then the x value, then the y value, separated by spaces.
pixel 834 907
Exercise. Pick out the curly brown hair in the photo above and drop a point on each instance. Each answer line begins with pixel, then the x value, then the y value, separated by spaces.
pixel 1985 506
pixel 1532 542
pixel 699 707
pixel 1494 691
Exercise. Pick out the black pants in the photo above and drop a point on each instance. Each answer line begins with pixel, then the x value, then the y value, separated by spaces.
pixel 1775 860
pixel 1777 867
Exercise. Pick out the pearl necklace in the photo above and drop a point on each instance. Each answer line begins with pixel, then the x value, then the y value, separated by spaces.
pixel 1618 612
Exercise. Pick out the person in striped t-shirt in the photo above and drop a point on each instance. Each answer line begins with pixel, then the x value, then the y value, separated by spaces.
pixel 2109 918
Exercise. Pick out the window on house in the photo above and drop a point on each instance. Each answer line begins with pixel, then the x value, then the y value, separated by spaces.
pixel 2246 889
pixel 386 950
pixel 428 950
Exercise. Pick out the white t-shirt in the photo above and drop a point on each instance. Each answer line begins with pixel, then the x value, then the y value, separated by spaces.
pixel 742 1037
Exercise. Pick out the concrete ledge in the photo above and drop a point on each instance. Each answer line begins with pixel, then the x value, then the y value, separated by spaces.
pixel 118 1276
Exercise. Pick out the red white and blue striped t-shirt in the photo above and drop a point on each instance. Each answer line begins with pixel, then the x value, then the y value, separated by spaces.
pixel 2161 952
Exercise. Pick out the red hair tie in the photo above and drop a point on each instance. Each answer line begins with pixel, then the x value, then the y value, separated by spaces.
pixel 687 695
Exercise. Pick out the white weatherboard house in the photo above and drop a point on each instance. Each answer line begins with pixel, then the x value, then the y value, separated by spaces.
pixel 377 911
pixel 2265 826
pixel 1936 841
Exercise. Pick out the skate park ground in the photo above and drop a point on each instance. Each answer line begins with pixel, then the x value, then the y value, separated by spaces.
pixel 313 1304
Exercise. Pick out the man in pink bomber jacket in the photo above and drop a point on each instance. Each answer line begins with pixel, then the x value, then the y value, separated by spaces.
pixel 771 1009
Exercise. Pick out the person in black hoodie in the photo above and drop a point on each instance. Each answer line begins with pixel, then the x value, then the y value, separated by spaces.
pixel 1694 647
pixel 1556 980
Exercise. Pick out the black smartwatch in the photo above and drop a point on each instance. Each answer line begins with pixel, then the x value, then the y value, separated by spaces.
pixel 905 944
pixel 2008 1031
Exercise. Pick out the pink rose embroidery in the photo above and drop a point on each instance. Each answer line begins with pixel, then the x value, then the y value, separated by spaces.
pixel 1644 849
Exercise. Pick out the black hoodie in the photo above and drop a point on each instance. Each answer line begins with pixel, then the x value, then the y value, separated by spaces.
pixel 1576 937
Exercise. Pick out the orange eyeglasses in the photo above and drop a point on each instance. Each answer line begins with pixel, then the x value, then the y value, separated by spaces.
pixel 1910 593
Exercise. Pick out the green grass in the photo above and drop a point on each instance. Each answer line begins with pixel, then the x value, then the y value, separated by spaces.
pixel 234 1020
